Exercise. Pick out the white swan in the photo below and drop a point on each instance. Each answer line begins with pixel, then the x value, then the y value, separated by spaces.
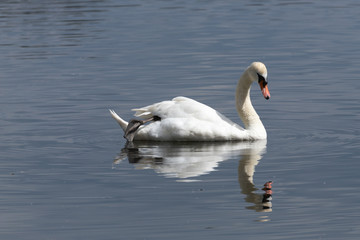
pixel 184 119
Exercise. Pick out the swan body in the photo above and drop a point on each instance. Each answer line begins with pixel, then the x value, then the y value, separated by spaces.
pixel 184 119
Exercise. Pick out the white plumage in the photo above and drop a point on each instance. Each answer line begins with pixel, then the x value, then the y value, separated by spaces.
pixel 184 119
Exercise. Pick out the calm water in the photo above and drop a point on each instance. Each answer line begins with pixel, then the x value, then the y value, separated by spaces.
pixel 65 173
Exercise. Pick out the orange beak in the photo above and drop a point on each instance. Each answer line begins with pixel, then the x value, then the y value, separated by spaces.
pixel 264 90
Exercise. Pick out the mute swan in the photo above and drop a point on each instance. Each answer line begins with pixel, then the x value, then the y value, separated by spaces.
pixel 184 119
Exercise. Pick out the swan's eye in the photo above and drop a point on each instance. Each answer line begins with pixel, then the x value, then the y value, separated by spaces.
pixel 261 79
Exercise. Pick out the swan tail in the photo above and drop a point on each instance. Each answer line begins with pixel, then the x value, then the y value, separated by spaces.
pixel 123 124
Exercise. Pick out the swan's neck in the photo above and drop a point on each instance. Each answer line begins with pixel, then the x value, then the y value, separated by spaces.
pixel 246 110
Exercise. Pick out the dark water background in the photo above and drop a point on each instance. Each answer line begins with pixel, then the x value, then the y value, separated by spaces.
pixel 64 175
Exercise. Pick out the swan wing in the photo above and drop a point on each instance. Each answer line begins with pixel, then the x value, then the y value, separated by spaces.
pixel 183 118
pixel 181 107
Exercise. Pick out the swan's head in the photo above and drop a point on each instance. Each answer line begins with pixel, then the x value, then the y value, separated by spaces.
pixel 258 73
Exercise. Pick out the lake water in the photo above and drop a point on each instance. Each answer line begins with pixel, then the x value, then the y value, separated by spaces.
pixel 65 171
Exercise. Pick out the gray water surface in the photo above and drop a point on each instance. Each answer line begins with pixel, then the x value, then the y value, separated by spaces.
pixel 67 173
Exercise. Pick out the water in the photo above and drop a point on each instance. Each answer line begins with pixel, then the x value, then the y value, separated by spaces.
pixel 66 175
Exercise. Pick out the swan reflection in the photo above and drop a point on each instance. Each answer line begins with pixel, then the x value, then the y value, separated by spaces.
pixel 250 157
pixel 186 161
